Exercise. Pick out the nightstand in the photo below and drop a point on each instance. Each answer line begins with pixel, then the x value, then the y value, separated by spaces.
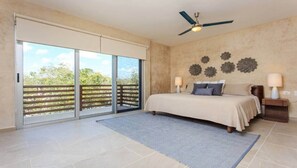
pixel 276 109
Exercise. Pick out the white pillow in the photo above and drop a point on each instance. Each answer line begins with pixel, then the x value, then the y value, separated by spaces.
pixel 219 81
pixel 238 89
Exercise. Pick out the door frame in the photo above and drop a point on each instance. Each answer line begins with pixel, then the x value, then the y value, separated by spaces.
pixel 19 119
pixel 19 91
pixel 19 78
pixel 140 88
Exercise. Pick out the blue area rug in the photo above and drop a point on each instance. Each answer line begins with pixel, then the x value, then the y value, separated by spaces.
pixel 195 143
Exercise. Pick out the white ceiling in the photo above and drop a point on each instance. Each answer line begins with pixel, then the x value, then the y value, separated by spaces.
pixel 160 21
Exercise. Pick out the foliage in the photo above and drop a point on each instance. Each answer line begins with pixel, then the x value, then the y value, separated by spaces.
pixel 88 76
pixel 50 75
pixel 62 75
pixel 133 79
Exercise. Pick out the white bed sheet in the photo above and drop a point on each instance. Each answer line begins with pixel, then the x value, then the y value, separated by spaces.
pixel 230 110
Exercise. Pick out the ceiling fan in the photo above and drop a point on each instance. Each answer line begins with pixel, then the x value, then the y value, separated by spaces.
pixel 196 26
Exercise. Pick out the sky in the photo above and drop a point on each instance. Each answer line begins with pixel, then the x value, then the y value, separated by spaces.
pixel 37 56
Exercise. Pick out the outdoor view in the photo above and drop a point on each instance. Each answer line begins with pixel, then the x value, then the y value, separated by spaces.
pixel 49 78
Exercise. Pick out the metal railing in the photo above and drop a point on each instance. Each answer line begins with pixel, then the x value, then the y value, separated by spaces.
pixel 40 99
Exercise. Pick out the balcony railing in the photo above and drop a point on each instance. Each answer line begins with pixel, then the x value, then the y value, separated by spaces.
pixel 49 99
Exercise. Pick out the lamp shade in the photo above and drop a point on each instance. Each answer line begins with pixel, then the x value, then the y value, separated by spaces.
pixel 274 80
pixel 178 81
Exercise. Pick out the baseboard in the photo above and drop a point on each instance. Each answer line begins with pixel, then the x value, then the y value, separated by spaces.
pixel 7 129
pixel 293 118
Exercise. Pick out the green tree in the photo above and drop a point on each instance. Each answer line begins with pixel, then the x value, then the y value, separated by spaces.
pixel 88 76
pixel 50 75
pixel 133 79
pixel 62 75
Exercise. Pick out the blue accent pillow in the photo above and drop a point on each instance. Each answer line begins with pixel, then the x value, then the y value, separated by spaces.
pixel 204 91
pixel 217 88
pixel 198 86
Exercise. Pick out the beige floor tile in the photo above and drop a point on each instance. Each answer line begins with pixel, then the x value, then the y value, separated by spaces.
pixel 259 143
pixel 278 154
pixel 258 163
pixel 262 127
pixel 21 164
pixel 282 129
pixel 95 146
pixel 243 164
pixel 113 159
pixel 249 156
pixel 10 139
pixel 262 123
pixel 139 148
pixel 284 140
pixel 291 123
pixel 156 160
pixel 69 136
pixel 50 161
pixel 83 148
pixel 111 142
pixel 14 154
pixel 239 166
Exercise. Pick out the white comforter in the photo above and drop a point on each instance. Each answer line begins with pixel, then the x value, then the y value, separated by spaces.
pixel 229 110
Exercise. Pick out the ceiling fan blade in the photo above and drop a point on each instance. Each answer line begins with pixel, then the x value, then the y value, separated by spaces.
pixel 185 32
pixel 217 23
pixel 187 17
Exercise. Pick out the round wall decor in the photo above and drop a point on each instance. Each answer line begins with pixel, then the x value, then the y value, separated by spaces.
pixel 247 65
pixel 228 67
pixel 210 72
pixel 225 55
pixel 205 59
pixel 195 69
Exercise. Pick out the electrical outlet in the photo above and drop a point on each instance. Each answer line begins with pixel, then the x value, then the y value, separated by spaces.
pixel 287 93
pixel 295 93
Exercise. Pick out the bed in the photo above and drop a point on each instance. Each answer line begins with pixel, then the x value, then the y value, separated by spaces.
pixel 232 111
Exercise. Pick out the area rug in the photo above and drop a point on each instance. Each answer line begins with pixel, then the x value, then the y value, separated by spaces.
pixel 195 143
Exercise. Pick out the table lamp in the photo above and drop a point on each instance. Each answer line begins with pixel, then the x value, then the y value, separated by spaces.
pixel 178 82
pixel 274 80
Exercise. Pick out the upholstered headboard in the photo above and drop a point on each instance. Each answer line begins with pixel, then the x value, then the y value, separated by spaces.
pixel 258 90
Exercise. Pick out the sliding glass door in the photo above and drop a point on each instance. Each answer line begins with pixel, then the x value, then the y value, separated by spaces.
pixel 95 83
pixel 128 84
pixel 48 83
pixel 56 83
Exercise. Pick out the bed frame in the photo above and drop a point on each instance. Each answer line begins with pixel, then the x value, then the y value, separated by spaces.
pixel 257 90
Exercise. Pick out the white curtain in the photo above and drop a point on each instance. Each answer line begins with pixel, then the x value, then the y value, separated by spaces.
pixel 35 31
pixel 116 47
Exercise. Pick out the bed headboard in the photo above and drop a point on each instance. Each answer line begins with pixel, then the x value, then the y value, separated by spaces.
pixel 258 90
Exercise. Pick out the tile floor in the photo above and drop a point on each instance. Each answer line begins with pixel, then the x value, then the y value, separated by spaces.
pixel 87 144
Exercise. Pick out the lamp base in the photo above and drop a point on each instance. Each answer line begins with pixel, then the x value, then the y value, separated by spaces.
pixel 274 93
pixel 177 89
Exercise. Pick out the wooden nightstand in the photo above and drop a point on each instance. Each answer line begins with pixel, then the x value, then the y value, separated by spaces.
pixel 276 109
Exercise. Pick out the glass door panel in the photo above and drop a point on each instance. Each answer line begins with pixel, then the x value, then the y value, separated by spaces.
pixel 48 83
pixel 128 84
pixel 95 83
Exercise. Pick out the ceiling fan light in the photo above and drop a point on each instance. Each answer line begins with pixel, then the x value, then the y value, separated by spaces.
pixel 196 28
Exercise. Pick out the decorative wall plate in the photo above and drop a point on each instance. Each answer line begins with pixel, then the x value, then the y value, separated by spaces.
pixel 225 55
pixel 205 59
pixel 210 72
pixel 228 67
pixel 247 65
pixel 195 69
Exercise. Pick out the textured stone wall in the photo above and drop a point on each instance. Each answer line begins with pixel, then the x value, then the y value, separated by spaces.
pixel 273 45
pixel 160 68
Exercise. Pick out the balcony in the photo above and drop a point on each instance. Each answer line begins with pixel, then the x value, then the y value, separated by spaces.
pixel 52 102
